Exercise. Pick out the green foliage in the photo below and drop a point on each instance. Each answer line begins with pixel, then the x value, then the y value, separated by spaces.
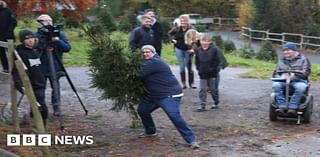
pixel 200 27
pixel 57 16
pixel 101 20
pixel 292 16
pixel 246 52
pixel 217 39
pixel 218 8
pixel 166 28
pixel 246 12
pixel 78 55
pixel 228 46
pixel 114 72
pixel 267 52
pixel 27 22
pixel 128 23
pixel 115 6
pixel 113 68
pixel 260 69
pixel 71 23
pixel 168 54
pixel 262 8
pixel 125 26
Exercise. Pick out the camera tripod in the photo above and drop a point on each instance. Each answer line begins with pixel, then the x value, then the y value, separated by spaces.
pixel 54 82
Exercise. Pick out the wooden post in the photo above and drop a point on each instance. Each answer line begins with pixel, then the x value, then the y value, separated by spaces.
pixel 14 106
pixel 250 37
pixel 33 103
pixel 301 42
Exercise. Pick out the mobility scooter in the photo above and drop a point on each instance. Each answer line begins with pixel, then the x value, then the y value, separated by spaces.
pixel 305 108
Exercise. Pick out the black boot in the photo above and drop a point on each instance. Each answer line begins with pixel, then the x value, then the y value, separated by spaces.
pixel 191 80
pixel 44 114
pixel 183 80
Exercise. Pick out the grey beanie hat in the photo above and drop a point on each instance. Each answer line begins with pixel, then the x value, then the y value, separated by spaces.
pixel 25 34
pixel 150 47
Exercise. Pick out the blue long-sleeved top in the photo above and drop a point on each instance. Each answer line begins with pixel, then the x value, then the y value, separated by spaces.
pixel 60 46
pixel 158 79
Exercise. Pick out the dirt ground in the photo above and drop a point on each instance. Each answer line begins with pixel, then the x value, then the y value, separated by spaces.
pixel 240 128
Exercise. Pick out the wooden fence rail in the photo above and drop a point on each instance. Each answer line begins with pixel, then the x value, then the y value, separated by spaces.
pixel 225 21
pixel 299 39
pixel 13 94
pixel 28 91
pixel 220 21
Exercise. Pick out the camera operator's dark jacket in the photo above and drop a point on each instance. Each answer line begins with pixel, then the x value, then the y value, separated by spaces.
pixel 7 24
pixel 298 63
pixel 60 46
pixel 32 61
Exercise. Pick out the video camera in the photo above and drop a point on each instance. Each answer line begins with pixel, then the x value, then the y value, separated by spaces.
pixel 50 31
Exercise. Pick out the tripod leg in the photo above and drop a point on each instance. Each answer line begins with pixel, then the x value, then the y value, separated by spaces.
pixel 55 87
pixel 61 121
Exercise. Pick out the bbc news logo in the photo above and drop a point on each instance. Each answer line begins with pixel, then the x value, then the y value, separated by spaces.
pixel 47 140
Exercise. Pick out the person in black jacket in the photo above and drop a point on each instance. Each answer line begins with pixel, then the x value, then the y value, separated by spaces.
pixel 7 25
pixel 142 35
pixel 157 31
pixel 183 52
pixel 208 66
pixel 32 61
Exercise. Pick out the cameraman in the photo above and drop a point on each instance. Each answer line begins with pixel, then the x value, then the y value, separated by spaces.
pixel 51 39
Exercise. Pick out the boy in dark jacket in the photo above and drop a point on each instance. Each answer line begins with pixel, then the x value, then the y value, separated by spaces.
pixel 32 61
pixel 208 66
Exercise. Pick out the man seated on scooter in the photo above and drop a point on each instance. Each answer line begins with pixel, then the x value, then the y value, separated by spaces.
pixel 295 61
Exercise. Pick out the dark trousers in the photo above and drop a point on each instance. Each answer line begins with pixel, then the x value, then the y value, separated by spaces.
pixel 4 59
pixel 40 96
pixel 171 106
pixel 55 97
pixel 211 84
pixel 216 90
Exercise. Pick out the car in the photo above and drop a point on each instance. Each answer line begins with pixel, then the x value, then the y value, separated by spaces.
pixel 194 19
